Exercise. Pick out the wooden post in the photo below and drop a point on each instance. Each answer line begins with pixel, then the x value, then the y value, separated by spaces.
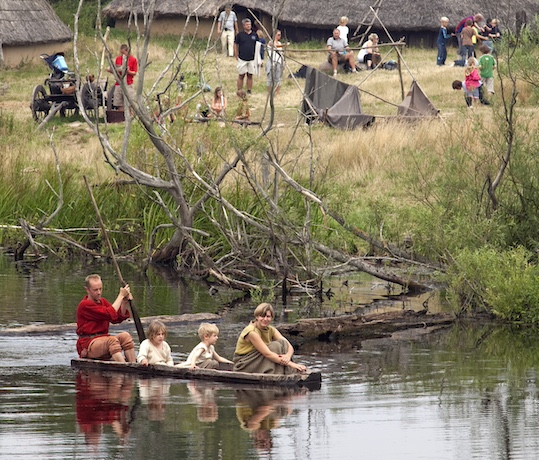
pixel 400 74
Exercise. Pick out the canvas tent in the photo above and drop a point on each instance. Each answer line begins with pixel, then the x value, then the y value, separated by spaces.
pixel 416 104
pixel 332 101
pixel 29 28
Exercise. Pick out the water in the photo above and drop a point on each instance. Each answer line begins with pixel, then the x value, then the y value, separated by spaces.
pixel 469 392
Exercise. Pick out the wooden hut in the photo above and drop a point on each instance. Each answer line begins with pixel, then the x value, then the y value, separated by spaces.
pixel 29 28
pixel 302 20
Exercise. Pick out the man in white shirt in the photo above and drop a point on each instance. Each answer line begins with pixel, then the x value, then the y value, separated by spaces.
pixel 227 27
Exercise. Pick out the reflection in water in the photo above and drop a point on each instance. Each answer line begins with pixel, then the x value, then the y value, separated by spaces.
pixel 203 395
pixel 153 393
pixel 260 410
pixel 468 392
pixel 103 400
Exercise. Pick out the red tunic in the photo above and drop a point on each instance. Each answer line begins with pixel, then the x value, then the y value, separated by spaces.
pixel 132 65
pixel 93 320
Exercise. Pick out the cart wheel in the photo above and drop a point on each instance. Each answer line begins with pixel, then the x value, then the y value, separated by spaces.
pixel 39 105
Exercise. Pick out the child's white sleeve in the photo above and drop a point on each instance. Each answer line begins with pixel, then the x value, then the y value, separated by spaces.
pixel 170 361
pixel 143 351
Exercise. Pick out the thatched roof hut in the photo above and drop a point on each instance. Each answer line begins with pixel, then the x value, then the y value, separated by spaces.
pixel 29 28
pixel 302 20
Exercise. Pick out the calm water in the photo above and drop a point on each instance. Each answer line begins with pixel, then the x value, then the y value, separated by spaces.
pixel 463 393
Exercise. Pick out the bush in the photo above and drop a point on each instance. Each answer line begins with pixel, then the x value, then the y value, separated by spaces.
pixel 504 283
pixel 66 9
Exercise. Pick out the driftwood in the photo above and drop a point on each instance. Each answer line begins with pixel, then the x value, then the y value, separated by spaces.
pixel 56 107
pixel 362 327
pixel 215 375
pixel 56 328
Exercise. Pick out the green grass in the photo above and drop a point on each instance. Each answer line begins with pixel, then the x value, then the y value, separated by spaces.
pixel 423 182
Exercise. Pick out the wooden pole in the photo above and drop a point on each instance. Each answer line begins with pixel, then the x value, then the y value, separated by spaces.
pixel 134 314
pixel 400 74
pixel 102 63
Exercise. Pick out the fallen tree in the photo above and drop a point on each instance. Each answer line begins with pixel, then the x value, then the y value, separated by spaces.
pixel 271 241
pixel 362 327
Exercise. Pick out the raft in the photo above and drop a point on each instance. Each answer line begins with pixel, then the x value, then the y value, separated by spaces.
pixel 308 379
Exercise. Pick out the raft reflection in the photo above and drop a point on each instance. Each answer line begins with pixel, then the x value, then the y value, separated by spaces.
pixel 260 410
pixel 203 395
pixel 103 400
pixel 153 392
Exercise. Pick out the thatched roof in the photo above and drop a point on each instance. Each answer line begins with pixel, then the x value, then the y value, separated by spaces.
pixel 24 22
pixel 414 15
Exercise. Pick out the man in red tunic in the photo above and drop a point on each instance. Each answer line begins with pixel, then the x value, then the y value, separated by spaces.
pixel 94 315
pixel 128 62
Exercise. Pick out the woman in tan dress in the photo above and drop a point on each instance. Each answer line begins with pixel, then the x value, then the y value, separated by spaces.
pixel 261 348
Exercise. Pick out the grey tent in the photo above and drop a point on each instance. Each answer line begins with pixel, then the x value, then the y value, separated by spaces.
pixel 416 104
pixel 333 102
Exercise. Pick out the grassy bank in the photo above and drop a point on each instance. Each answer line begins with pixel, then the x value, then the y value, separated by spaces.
pixel 424 183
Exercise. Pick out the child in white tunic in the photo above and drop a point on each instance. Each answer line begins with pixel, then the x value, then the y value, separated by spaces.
pixel 154 350
pixel 204 354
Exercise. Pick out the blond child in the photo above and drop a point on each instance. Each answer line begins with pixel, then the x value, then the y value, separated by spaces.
pixel 441 42
pixel 243 112
pixel 343 28
pixel 204 354
pixel 155 350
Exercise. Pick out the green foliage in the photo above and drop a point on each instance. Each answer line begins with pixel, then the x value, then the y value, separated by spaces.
pixel 66 9
pixel 7 123
pixel 505 282
pixel 262 294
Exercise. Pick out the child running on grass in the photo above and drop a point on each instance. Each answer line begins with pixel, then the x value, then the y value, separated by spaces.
pixel 204 354
pixel 154 350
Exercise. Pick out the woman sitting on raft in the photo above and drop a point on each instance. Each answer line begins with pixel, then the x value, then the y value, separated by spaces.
pixel 261 348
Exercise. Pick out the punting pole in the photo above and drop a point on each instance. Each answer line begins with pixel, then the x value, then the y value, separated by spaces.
pixel 134 314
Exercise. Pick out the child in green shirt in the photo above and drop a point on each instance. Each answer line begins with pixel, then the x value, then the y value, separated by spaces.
pixel 487 64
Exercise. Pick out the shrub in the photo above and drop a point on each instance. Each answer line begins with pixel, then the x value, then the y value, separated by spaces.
pixel 502 282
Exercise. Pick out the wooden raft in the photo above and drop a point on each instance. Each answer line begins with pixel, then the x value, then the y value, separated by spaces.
pixel 158 370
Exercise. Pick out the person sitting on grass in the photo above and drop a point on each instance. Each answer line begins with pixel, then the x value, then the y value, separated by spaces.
pixel 370 53
pixel 204 354
pixel 219 103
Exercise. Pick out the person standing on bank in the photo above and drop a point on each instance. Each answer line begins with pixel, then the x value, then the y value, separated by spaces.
pixel 244 51
pixel 128 62
pixel 227 27
pixel 94 315
pixel 262 348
